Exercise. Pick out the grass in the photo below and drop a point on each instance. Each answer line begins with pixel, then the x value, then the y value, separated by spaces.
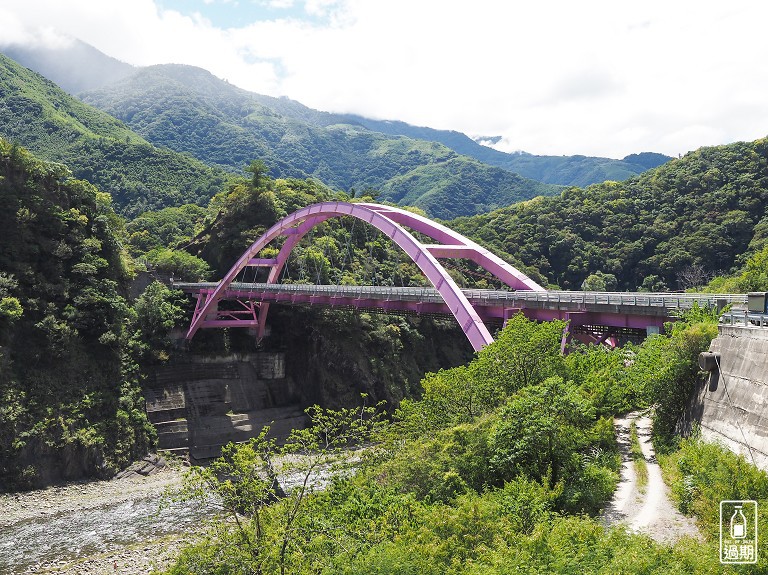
pixel 638 459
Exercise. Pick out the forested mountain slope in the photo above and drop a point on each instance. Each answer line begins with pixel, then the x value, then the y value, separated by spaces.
pixel 70 400
pixel 562 170
pixel 79 67
pixel 57 127
pixel 702 214
pixel 189 110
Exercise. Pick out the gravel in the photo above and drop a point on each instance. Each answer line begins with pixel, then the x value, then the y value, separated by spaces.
pixel 649 510
pixel 155 551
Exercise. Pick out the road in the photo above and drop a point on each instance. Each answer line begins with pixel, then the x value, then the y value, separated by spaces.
pixel 647 509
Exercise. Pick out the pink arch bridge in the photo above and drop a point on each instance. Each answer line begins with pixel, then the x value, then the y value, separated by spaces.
pixel 388 220
pixel 593 316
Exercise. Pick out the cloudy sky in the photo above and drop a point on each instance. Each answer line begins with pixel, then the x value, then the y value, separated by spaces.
pixel 590 77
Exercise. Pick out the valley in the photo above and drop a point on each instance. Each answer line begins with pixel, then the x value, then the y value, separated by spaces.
pixel 506 453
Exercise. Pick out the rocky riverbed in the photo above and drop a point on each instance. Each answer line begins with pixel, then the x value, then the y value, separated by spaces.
pixel 97 527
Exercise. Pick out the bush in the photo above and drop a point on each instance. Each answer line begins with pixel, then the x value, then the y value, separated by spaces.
pixel 703 474
pixel 664 370
pixel 539 429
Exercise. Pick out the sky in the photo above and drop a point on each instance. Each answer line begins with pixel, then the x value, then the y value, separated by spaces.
pixel 554 77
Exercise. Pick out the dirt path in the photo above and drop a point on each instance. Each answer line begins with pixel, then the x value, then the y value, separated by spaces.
pixel 648 509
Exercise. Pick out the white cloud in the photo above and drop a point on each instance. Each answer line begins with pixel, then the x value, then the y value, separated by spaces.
pixel 281 4
pixel 596 77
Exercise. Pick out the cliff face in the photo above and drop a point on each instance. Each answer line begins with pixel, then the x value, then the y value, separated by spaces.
pixel 69 405
pixel 206 397
pixel 334 355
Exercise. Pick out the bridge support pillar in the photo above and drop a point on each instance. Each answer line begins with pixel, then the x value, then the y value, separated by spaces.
pixel 572 320
pixel 510 312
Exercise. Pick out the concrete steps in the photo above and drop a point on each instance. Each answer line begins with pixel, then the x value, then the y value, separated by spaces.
pixel 206 403
pixel 166 403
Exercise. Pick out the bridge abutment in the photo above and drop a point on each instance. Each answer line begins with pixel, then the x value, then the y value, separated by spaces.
pixel 199 403
pixel 731 402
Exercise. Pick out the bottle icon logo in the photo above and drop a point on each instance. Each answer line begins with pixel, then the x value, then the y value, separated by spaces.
pixel 738 532
pixel 738 524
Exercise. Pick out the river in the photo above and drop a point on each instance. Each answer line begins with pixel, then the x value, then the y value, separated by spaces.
pixel 111 527
pixel 96 527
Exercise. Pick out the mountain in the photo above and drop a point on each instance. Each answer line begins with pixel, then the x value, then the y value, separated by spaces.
pixel 189 110
pixel 80 67
pixel 672 227
pixel 75 66
pixel 57 127
pixel 563 170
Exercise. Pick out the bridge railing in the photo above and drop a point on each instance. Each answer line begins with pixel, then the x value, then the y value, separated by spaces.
pixel 645 299
pixel 488 297
pixel 743 317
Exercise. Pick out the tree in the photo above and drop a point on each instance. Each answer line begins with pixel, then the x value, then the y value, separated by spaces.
pixel 260 515
pixel 177 264
pixel 755 274
pixel 599 281
pixel 524 353
pixel 157 311
pixel 259 174
pixel 693 276
pixel 653 283
pixel 664 371
pixel 539 429
pixel 10 309
pixel 451 396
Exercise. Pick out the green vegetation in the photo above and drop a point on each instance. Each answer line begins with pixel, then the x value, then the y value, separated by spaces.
pixel 664 369
pixel 672 227
pixel 70 399
pixel 494 470
pixel 65 67
pixel 638 459
pixel 245 482
pixel 703 474
pixel 166 228
pixel 753 276
pixel 495 466
pixel 337 251
pixel 96 147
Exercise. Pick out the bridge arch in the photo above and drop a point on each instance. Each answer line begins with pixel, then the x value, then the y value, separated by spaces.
pixel 390 221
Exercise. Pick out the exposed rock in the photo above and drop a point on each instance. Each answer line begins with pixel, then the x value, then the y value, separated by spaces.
pixel 150 465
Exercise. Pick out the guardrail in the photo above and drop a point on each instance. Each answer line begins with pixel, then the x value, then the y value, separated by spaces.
pixel 488 297
pixel 744 318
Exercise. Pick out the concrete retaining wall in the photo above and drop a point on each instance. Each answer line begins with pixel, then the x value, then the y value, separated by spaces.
pixel 732 405
pixel 202 403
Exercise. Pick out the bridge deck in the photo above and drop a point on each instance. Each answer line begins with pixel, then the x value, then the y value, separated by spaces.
pixel 619 309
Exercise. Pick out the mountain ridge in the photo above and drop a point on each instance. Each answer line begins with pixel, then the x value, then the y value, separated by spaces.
pixel 64 66
pixel 97 147
pixel 575 170
pixel 559 170
pixel 189 110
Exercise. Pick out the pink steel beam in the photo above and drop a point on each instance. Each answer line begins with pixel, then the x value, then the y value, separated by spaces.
pixel 458 246
pixel 486 312
pixel 388 220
